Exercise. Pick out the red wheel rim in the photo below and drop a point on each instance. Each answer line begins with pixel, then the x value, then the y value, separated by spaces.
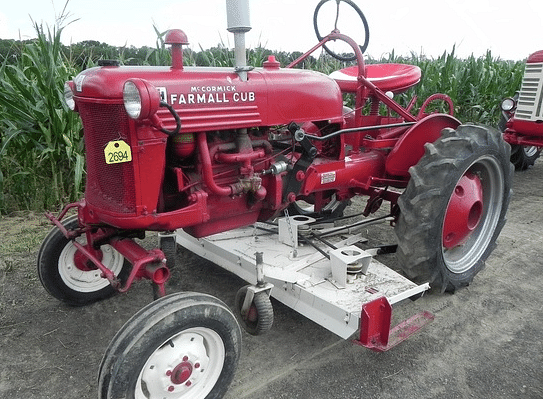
pixel 83 263
pixel 464 211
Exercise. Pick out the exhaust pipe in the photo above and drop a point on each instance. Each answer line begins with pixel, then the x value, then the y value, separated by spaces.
pixel 237 18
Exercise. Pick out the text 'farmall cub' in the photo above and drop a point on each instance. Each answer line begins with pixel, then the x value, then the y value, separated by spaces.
pixel 240 163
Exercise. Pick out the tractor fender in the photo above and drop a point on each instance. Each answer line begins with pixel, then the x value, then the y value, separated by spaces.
pixel 410 147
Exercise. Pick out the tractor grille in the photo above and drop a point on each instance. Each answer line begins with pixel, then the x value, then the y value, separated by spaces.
pixel 109 187
pixel 529 106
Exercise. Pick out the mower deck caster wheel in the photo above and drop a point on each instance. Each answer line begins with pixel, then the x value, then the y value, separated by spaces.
pixel 258 318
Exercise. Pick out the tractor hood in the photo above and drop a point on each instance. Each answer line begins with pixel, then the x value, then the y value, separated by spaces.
pixel 216 98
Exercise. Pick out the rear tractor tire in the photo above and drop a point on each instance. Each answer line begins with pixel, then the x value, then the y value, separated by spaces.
pixel 454 207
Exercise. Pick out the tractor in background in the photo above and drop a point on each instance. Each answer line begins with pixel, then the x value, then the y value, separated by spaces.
pixel 522 115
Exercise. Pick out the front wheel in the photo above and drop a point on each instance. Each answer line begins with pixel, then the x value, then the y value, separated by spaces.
pixel 69 276
pixel 184 345
pixel 454 207
pixel 524 156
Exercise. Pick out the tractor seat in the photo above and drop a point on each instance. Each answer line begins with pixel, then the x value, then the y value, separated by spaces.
pixel 396 78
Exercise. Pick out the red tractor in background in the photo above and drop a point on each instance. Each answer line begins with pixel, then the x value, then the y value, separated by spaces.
pixel 522 115
pixel 209 150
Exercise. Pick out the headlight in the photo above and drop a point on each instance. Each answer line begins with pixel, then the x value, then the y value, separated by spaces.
pixel 508 104
pixel 69 96
pixel 141 99
pixel 132 100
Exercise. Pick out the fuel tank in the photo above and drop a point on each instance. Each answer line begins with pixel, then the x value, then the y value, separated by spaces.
pixel 216 98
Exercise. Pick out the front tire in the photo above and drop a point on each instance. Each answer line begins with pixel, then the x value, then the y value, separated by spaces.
pixel 524 156
pixel 184 345
pixel 454 207
pixel 68 276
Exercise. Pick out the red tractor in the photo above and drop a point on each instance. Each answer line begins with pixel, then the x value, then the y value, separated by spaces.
pixel 522 115
pixel 208 150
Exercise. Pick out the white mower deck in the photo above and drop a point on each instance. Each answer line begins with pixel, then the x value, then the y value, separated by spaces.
pixel 331 292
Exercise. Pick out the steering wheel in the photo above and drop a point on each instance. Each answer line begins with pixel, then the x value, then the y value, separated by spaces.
pixel 362 17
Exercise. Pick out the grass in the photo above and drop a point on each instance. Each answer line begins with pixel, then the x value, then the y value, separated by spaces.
pixel 41 141
pixel 22 232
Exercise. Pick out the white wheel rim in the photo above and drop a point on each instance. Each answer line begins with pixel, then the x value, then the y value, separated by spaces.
pixel 87 280
pixel 530 151
pixel 188 365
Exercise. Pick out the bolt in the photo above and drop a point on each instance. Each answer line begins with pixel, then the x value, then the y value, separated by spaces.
pixel 300 175
pixel 291 197
pixel 185 358
pixel 459 191
pixel 188 383
pixel 197 365
pixel 169 373
pixel 171 388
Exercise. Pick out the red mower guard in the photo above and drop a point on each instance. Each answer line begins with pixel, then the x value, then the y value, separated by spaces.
pixel 375 330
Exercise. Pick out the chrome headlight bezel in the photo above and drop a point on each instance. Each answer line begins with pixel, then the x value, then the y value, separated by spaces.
pixel 69 98
pixel 508 104
pixel 132 99
pixel 141 99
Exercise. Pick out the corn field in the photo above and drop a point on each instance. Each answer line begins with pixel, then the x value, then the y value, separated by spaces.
pixel 41 141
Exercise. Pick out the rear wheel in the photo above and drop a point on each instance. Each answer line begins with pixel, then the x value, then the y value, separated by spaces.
pixel 524 156
pixel 454 207
pixel 184 345
pixel 69 276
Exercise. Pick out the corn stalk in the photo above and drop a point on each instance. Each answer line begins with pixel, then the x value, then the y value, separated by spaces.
pixel 41 146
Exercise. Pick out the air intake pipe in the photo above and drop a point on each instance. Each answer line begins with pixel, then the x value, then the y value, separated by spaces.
pixel 237 18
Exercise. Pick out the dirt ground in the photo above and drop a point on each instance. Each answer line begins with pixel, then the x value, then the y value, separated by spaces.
pixel 486 340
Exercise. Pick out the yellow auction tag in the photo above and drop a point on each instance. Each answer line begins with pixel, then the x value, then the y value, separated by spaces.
pixel 117 151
